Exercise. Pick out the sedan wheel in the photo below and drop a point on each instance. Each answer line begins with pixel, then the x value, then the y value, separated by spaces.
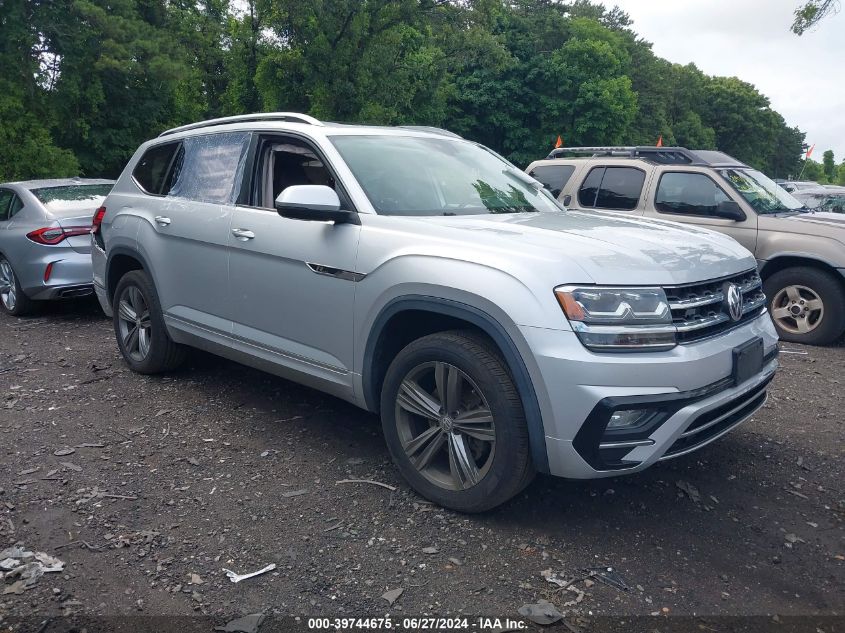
pixel 445 425
pixel 797 309
pixel 8 287
pixel 134 323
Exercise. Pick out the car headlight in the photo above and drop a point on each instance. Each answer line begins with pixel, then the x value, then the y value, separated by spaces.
pixel 618 319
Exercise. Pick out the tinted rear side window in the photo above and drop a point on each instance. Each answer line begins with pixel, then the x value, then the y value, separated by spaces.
pixel 5 200
pixel 590 187
pixel 17 205
pixel 620 188
pixel 612 188
pixel 152 171
pixel 211 167
pixel 553 177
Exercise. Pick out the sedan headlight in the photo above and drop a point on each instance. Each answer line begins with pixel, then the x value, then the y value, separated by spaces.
pixel 618 319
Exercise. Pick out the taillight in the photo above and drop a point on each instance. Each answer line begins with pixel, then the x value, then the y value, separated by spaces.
pixel 54 234
pixel 99 214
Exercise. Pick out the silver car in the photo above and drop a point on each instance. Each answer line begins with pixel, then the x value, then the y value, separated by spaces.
pixel 423 277
pixel 827 199
pixel 45 244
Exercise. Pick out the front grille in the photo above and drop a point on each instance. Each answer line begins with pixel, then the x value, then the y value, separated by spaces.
pixel 718 421
pixel 699 310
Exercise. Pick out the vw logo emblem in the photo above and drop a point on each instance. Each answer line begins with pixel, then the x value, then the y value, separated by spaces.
pixel 733 301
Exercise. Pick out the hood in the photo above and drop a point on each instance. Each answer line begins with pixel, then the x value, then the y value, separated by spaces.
pixel 611 248
pixel 819 223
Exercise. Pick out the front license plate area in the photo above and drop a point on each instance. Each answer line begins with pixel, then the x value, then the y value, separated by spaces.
pixel 748 360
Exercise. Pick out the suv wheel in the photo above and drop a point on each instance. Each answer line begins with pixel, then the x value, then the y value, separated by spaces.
pixel 807 305
pixel 139 326
pixel 454 422
pixel 12 299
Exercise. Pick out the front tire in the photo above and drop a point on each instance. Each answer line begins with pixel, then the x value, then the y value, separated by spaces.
pixel 139 327
pixel 12 299
pixel 807 305
pixel 454 422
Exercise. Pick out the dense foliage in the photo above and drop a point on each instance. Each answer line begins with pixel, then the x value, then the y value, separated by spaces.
pixel 85 81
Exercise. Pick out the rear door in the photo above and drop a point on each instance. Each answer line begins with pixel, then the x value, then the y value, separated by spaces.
pixel 610 188
pixel 692 197
pixel 16 220
pixel 292 281
pixel 187 212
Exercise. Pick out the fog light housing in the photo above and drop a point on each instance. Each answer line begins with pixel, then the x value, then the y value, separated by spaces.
pixel 627 419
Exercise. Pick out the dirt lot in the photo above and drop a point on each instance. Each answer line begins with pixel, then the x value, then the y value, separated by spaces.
pixel 173 478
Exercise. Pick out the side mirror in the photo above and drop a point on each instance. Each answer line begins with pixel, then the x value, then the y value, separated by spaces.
pixel 730 210
pixel 318 203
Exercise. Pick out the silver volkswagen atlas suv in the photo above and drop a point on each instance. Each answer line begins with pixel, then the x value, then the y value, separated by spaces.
pixel 422 277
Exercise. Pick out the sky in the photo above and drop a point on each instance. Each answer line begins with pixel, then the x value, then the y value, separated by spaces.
pixel 804 77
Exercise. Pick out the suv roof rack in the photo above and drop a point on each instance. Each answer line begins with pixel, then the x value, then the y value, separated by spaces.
pixel 292 117
pixel 663 155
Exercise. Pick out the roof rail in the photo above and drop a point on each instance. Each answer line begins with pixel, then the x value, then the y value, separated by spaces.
pixel 430 129
pixel 292 117
pixel 670 155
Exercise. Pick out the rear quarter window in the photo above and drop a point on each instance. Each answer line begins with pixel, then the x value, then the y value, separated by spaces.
pixel 153 173
pixel 553 177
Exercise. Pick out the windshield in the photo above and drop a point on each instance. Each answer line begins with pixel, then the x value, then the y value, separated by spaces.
pixel 762 193
pixel 405 175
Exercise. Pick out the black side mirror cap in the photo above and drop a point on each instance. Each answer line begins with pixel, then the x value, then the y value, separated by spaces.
pixel 730 210
pixel 339 216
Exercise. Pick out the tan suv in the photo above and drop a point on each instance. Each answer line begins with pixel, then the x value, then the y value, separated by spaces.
pixel 800 254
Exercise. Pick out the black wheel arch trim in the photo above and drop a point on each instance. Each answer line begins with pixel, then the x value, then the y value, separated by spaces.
pixel 492 328
pixel 800 259
pixel 123 250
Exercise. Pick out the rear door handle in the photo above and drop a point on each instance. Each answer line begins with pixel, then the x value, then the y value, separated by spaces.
pixel 162 221
pixel 243 234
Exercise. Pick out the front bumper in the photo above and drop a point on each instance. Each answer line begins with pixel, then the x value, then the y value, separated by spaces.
pixel 689 389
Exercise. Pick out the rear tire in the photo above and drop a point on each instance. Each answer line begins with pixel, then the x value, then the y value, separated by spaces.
pixel 139 327
pixel 454 422
pixel 807 305
pixel 12 298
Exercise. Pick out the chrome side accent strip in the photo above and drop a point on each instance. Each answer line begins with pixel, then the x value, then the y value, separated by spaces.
pixel 346 275
pixel 629 443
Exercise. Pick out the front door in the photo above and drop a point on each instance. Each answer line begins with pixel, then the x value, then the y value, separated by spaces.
pixel 693 198
pixel 292 282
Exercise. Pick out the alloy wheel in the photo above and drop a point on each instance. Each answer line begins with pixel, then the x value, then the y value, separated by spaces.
pixel 134 323
pixel 8 288
pixel 797 309
pixel 445 425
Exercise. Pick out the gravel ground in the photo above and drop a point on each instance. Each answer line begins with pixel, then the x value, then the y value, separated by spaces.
pixel 147 487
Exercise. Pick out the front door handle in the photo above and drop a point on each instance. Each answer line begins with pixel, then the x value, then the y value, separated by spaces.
pixel 162 221
pixel 243 234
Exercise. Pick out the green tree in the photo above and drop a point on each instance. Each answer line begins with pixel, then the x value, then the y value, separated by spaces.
pixel 811 170
pixel 27 149
pixel 829 166
pixel 810 14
